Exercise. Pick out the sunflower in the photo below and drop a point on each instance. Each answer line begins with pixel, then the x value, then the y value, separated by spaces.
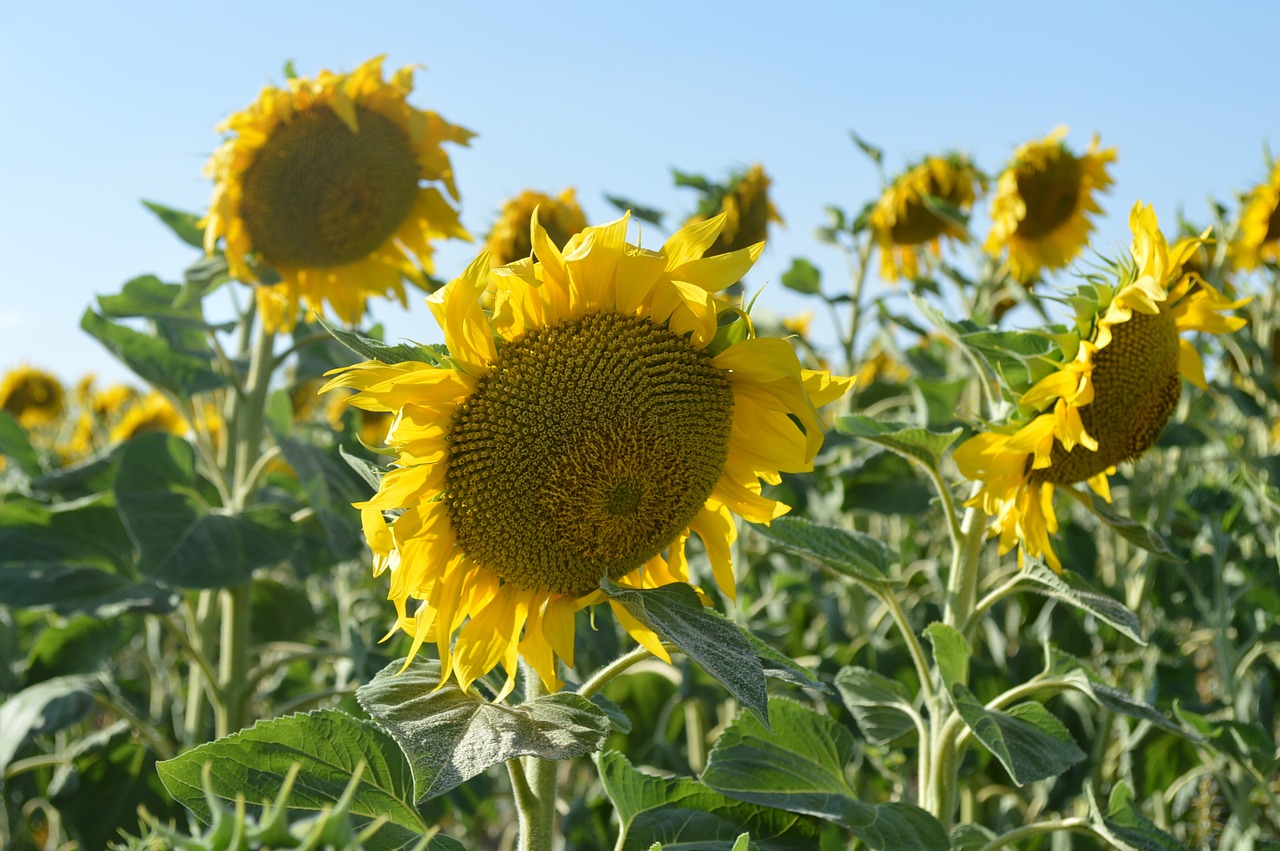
pixel 1259 239
pixel 322 181
pixel 34 397
pixel 580 432
pixel 907 220
pixel 509 239
pixel 745 204
pixel 1040 212
pixel 1110 397
pixel 152 412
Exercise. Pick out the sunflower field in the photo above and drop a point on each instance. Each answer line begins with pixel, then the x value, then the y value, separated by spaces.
pixel 632 561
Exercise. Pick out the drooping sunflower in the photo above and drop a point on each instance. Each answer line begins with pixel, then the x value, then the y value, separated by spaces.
pixel 1109 398
pixel 580 432
pixel 323 181
pixel 509 239
pixel 907 221
pixel 34 397
pixel 1044 197
pixel 744 201
pixel 1259 239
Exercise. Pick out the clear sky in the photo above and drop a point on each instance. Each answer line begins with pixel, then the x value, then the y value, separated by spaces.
pixel 108 103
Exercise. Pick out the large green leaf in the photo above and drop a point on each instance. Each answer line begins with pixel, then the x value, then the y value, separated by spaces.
pixel 450 736
pixel 852 554
pixel 70 590
pixel 328 746
pixel 717 645
pixel 15 444
pixel 185 226
pixel 372 349
pixel 916 444
pixel 1127 528
pixel 1028 740
pixel 153 358
pixel 150 297
pixel 881 706
pixel 82 532
pixel 801 766
pixel 1126 828
pixel 1108 696
pixel 183 540
pixel 1045 581
pixel 950 653
pixel 331 485
pixel 803 277
pixel 681 813
pixel 42 708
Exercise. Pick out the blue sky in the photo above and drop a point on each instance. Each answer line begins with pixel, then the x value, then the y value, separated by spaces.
pixel 106 104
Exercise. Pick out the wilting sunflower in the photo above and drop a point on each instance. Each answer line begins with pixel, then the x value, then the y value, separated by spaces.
pixel 1110 397
pixel 509 239
pixel 907 219
pixel 1259 239
pixel 323 182
pixel 34 397
pixel 580 432
pixel 745 204
pixel 1040 212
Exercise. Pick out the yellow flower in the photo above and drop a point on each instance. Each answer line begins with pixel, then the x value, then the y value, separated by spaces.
pixel 152 412
pixel 509 239
pixel 580 432
pixel 1109 401
pixel 322 180
pixel 747 210
pixel 1259 239
pixel 34 397
pixel 1040 212
pixel 906 222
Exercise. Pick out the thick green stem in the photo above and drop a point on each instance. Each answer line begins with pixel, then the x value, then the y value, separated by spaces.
pixel 233 664
pixel 962 583
pixel 201 679
pixel 534 781
pixel 600 678
pixel 1030 831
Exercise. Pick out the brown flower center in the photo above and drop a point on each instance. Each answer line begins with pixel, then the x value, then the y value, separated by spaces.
pixel 587 448
pixel 1051 195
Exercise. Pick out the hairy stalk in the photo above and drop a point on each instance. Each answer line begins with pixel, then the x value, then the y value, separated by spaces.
pixel 534 782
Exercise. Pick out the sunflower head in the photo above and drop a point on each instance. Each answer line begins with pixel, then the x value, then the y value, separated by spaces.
pixel 561 216
pixel 1110 393
pixel 580 431
pixel 744 202
pixel 922 206
pixel 1044 197
pixel 152 412
pixel 34 397
pixel 335 183
pixel 1259 239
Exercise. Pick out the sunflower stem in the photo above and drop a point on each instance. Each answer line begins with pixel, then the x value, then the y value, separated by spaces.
pixel 601 678
pixel 962 583
pixel 533 780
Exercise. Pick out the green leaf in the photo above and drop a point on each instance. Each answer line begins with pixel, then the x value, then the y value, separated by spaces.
pixel 83 532
pixel 201 278
pixel 881 706
pixel 1125 827
pixel 71 590
pixel 76 646
pixel 331 485
pixel 801 767
pixel 450 736
pixel 43 708
pixel 372 349
pixel 971 837
pixel 328 745
pixel 781 666
pixel 1045 581
pixel 681 813
pixel 182 540
pixel 641 212
pixel 1030 742
pixel 715 644
pixel 846 552
pixel 915 444
pixel 184 225
pixel 1132 531
pixel 694 181
pixel 950 653
pixel 803 277
pixel 1108 696
pixel 153 358
pixel 15 444
pixel 1248 744
pixel 875 153
pixel 147 296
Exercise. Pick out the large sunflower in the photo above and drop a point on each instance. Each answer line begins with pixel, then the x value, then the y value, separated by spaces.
pixel 509 239
pixel 323 182
pixel 1259 238
pixel 34 397
pixel 580 432
pixel 1110 397
pixel 1040 212
pixel 907 220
